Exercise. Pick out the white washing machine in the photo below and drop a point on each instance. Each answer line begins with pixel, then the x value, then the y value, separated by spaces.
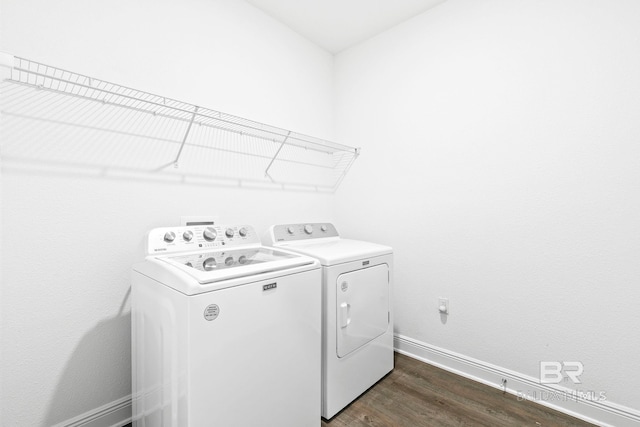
pixel 357 321
pixel 225 332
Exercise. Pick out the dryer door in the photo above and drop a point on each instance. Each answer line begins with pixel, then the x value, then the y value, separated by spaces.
pixel 362 310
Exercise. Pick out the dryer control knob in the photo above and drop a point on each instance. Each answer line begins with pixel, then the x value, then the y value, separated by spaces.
pixel 210 234
pixel 242 232
pixel 308 229
pixel 290 230
pixel 323 227
pixel 229 232
pixel 187 235
pixel 169 236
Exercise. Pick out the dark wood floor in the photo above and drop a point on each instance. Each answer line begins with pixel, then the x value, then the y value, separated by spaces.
pixel 416 394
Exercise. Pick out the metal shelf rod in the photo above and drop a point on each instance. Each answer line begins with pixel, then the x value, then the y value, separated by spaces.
pixel 56 115
pixel 338 147
pixel 183 119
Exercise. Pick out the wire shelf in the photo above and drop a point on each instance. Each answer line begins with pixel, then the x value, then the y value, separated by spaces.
pixel 56 117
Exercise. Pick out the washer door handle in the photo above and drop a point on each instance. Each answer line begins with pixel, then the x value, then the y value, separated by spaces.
pixel 345 314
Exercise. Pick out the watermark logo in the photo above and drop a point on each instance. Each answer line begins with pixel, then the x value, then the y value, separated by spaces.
pixel 552 372
pixel 561 395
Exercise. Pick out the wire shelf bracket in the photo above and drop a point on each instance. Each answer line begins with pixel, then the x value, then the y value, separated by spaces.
pixel 175 161
pixel 64 119
pixel 266 171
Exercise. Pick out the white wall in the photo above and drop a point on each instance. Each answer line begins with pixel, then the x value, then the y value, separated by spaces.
pixel 69 240
pixel 500 160
pixel 502 163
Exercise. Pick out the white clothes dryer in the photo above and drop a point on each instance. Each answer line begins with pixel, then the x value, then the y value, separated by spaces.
pixel 225 332
pixel 357 320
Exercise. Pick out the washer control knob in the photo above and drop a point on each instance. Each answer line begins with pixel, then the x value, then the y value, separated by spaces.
pixel 209 264
pixel 242 232
pixel 169 236
pixel 210 234
pixel 229 261
pixel 308 229
pixel 323 227
pixel 229 233
pixel 187 235
pixel 290 230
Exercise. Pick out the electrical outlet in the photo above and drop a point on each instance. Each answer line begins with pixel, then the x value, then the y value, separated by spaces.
pixel 443 305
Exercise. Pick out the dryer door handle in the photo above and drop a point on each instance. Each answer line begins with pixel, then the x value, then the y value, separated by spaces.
pixel 345 314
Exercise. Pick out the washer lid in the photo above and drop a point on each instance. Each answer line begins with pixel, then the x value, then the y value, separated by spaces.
pixel 214 266
pixel 332 251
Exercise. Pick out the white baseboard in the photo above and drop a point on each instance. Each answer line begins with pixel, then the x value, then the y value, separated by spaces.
pixel 113 414
pixel 600 412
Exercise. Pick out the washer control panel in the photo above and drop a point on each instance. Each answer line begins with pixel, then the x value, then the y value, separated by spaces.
pixel 191 238
pixel 289 232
